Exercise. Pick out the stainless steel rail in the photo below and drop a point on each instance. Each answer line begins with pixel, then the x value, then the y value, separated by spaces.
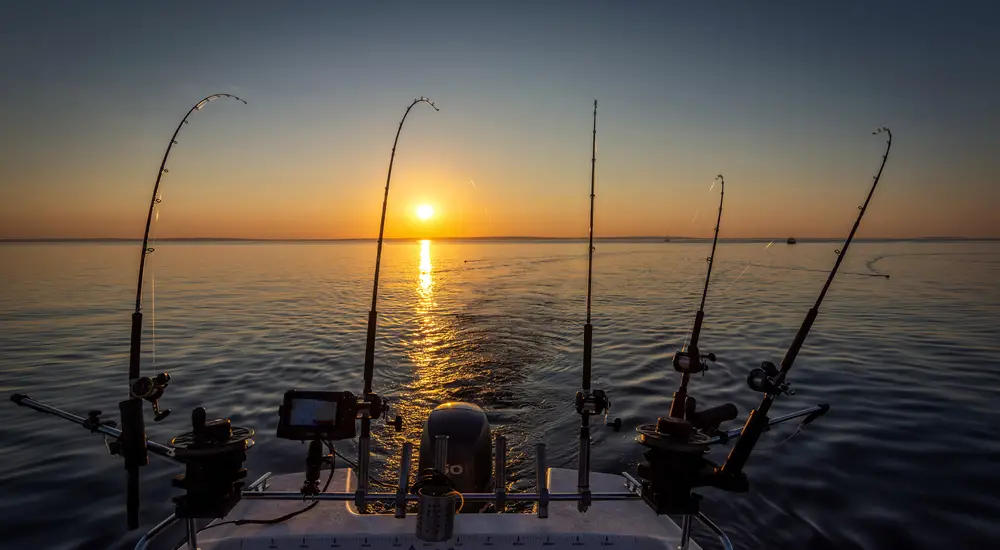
pixel 158 449
pixel 469 497
pixel 735 433
pixel 715 529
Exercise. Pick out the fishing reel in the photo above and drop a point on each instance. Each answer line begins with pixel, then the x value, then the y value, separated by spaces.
pixel 151 389
pixel 691 361
pixel 594 403
pixel 213 453
pixel 373 406
pixel 765 379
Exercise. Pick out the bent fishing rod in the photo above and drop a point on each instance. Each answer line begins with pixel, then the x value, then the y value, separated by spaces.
pixel 133 431
pixel 136 348
pixel 690 360
pixel 365 439
pixel 771 380
pixel 589 402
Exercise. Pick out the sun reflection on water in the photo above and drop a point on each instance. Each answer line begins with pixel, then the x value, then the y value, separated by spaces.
pixel 426 279
pixel 426 348
pixel 454 352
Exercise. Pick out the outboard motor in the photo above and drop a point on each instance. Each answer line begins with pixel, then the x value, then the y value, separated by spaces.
pixel 469 464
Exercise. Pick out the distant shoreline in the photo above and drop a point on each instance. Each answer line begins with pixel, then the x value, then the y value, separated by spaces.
pixel 650 240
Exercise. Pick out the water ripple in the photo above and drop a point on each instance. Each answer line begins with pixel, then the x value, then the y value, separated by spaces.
pixel 906 458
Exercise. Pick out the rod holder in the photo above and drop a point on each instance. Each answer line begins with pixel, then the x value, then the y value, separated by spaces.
pixel 404 479
pixel 583 472
pixel 500 472
pixel 441 453
pixel 542 480
pixel 192 534
pixel 364 462
pixel 685 541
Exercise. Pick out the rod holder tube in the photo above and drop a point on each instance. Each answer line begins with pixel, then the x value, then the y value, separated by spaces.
pixel 679 401
pixel 542 480
pixel 583 474
pixel 404 479
pixel 752 430
pixel 133 449
pixel 500 472
pixel 364 463
pixel 441 453
pixel 685 541
pixel 192 534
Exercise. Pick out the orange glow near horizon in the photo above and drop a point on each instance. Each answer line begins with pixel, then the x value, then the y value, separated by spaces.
pixel 444 187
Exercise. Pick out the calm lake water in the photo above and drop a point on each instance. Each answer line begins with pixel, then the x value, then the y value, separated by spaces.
pixel 908 457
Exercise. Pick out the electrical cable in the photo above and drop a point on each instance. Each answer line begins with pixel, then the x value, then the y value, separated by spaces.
pixel 278 519
pixel 354 465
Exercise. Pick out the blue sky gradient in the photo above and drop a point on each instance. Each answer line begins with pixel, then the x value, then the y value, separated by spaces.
pixel 779 97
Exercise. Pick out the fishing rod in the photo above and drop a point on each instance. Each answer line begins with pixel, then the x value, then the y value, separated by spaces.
pixel 770 380
pixel 370 398
pixel 690 359
pixel 588 329
pixel 589 402
pixel 133 432
pixel 675 461
pixel 135 347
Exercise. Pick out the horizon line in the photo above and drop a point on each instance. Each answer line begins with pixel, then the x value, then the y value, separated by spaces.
pixel 633 238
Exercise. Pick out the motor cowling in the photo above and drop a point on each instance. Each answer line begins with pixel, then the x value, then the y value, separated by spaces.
pixel 469 464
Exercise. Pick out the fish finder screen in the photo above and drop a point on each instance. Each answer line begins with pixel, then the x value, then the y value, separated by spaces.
pixel 313 413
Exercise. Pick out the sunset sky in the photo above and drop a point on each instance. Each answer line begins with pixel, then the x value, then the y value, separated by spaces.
pixel 780 98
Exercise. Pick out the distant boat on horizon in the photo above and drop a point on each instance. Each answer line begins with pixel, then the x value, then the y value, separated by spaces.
pixel 791 240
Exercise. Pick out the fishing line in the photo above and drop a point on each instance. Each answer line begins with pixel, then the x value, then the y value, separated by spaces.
pixel 688 336
pixel 736 279
pixel 689 359
pixel 798 429
pixel 745 269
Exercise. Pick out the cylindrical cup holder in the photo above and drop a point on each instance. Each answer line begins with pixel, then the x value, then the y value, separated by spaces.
pixel 436 516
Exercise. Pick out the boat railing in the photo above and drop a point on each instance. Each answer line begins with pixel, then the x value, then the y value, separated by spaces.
pixel 632 491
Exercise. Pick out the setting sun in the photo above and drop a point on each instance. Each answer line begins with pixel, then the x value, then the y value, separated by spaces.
pixel 425 211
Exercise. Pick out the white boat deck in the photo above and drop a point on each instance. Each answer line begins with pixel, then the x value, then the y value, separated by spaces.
pixel 332 524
